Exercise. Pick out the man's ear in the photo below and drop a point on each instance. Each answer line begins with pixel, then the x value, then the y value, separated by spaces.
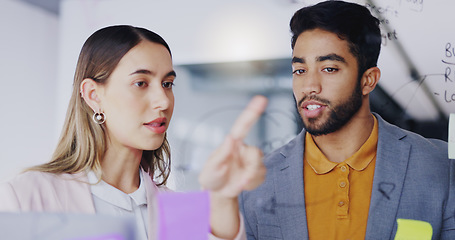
pixel 370 79
pixel 89 92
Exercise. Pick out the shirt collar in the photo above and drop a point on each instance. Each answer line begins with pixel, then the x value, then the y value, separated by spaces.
pixel 114 196
pixel 358 161
pixel 140 196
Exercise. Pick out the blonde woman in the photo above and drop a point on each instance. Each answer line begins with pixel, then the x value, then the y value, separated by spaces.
pixel 114 137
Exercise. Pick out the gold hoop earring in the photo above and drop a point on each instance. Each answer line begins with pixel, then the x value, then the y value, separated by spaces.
pixel 99 118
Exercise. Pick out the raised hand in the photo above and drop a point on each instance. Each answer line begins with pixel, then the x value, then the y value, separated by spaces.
pixel 234 166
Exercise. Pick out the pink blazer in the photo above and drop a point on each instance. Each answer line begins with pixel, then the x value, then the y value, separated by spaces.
pixel 70 193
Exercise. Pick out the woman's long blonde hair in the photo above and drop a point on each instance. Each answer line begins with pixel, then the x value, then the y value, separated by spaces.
pixel 82 144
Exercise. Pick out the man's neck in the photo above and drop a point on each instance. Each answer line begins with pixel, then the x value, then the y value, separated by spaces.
pixel 340 145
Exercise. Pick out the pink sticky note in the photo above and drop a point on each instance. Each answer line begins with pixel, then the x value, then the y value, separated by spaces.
pixel 184 215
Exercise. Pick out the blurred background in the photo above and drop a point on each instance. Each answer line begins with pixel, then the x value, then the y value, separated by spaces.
pixel 224 52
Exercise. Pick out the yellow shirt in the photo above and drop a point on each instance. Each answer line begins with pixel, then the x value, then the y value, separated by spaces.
pixel 337 195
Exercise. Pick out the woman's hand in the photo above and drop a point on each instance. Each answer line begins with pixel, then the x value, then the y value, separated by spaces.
pixel 234 166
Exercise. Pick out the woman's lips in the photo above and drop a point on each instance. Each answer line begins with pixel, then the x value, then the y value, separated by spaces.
pixel 158 125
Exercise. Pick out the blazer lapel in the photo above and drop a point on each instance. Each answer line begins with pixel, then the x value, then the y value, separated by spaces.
pixel 289 198
pixel 74 193
pixel 391 164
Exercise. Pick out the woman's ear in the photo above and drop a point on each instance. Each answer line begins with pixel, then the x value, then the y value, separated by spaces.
pixel 89 92
pixel 370 79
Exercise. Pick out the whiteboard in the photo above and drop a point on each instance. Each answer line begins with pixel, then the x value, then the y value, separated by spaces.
pixel 417 53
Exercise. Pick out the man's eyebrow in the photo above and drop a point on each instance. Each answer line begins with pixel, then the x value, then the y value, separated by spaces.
pixel 331 57
pixel 148 72
pixel 171 74
pixel 298 60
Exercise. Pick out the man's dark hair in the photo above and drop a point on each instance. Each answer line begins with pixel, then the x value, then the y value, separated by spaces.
pixel 351 22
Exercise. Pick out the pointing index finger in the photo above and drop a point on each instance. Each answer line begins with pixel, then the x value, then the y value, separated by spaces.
pixel 248 117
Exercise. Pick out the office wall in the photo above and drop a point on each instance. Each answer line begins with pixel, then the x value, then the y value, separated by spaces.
pixel 28 65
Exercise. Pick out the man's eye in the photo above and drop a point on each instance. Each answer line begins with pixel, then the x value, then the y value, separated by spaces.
pixel 330 69
pixel 168 85
pixel 298 71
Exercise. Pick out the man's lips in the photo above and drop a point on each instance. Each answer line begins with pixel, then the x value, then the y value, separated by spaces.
pixel 312 108
pixel 312 105
pixel 158 125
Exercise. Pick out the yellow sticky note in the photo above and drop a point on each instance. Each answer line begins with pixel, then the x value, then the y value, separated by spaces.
pixel 452 136
pixel 409 229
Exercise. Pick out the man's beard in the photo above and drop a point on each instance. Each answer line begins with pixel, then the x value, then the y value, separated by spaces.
pixel 339 114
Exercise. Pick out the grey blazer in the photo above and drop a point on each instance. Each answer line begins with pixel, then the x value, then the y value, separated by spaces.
pixel 413 179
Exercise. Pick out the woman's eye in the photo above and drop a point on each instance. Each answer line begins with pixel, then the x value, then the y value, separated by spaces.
pixel 140 84
pixel 298 71
pixel 330 69
pixel 167 85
